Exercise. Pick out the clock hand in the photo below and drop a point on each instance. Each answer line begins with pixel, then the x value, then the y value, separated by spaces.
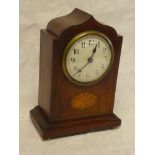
pixel 80 70
pixel 94 51
pixel 90 60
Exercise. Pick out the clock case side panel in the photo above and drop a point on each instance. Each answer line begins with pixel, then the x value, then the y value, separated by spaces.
pixel 116 67
pixel 45 71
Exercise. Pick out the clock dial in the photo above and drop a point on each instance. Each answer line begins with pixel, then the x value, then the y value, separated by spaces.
pixel 88 58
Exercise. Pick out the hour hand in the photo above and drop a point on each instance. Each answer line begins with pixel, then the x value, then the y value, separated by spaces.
pixel 94 50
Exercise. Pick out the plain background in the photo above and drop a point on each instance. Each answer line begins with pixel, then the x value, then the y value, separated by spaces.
pixel 34 15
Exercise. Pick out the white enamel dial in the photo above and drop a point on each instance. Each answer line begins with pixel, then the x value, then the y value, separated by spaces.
pixel 88 58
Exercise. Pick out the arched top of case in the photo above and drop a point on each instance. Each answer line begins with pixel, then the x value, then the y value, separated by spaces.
pixel 75 18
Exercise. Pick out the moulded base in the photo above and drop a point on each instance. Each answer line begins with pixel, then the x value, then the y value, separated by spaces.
pixel 57 129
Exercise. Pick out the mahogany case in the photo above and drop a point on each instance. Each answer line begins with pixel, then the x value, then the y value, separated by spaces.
pixel 54 117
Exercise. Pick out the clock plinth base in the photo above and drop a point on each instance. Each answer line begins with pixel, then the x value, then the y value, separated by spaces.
pixel 57 129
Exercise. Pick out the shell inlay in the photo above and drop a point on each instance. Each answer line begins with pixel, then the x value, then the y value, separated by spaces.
pixel 83 101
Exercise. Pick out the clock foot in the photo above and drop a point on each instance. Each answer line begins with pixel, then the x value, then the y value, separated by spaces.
pixel 57 129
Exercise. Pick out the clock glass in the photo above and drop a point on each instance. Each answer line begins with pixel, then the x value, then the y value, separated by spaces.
pixel 88 57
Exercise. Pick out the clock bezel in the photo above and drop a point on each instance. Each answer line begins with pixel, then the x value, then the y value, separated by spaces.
pixel 67 48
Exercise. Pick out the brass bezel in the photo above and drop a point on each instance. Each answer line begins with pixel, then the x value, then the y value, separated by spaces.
pixel 71 42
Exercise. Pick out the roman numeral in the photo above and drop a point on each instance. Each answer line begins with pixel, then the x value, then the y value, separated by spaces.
pixel 83 44
pixel 87 76
pixel 75 68
pixel 98 44
pixel 104 49
pixel 72 59
pixel 102 66
pixel 76 51
pixel 97 72
pixel 91 42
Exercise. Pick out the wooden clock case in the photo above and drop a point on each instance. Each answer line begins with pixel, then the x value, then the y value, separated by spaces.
pixel 54 117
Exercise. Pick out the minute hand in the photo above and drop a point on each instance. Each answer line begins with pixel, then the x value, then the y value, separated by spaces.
pixel 82 68
pixel 90 60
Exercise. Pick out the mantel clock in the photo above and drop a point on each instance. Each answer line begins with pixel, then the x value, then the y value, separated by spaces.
pixel 79 60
